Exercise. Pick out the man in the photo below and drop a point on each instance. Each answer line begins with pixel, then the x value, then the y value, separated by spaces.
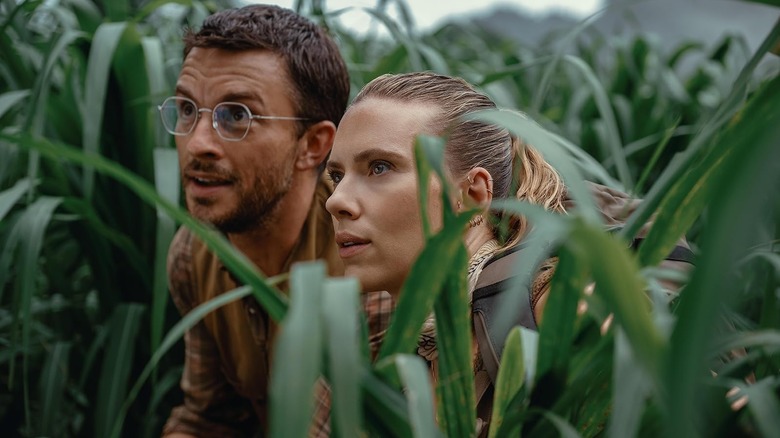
pixel 257 102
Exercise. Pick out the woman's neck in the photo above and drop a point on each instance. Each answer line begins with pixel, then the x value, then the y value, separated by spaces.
pixel 476 237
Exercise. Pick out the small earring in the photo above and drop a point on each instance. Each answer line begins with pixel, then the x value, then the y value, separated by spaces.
pixel 471 181
pixel 475 221
pixel 458 205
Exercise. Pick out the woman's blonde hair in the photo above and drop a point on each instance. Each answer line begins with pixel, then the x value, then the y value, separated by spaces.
pixel 512 164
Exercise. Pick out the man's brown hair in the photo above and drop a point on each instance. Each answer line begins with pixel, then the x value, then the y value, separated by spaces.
pixel 318 73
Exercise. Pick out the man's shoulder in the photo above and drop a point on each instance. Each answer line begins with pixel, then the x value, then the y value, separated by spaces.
pixel 195 273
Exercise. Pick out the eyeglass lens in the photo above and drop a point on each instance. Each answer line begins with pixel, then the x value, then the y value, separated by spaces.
pixel 179 115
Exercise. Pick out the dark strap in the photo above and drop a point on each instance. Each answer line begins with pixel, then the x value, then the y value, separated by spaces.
pixel 494 281
pixel 490 294
pixel 678 254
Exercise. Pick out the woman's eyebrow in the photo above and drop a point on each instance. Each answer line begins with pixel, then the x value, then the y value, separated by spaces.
pixel 373 153
pixel 333 165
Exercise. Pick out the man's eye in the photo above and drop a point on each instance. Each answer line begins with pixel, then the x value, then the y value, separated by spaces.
pixel 186 109
pixel 379 168
pixel 238 114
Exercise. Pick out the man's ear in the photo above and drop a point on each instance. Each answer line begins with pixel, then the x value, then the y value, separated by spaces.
pixel 315 144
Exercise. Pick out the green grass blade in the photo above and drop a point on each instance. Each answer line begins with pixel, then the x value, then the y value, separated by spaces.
pixel 386 407
pixel 166 182
pixel 152 6
pixel 656 155
pixel 419 292
pixel 677 168
pixel 30 230
pixel 509 382
pixel 40 92
pixel 586 163
pixel 239 265
pixel 117 364
pixel 297 359
pixel 414 377
pixel 764 405
pixel 455 386
pixel 754 339
pixel 692 193
pixel 562 46
pixel 11 98
pixel 741 191
pixel 412 53
pixel 116 9
pixel 104 44
pixel 565 429
pixel 548 231
pixel 557 328
pixel 10 196
pixel 631 388
pixel 614 144
pixel 54 377
pixel 35 118
pixel 540 138
pixel 175 334
pixel 429 272
pixel 618 282
pixel 340 315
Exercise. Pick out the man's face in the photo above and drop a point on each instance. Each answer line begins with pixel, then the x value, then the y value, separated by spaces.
pixel 237 185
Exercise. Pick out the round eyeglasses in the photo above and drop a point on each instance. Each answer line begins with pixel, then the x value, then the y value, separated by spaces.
pixel 231 120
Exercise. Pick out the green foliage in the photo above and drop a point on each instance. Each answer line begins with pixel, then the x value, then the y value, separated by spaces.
pixel 89 202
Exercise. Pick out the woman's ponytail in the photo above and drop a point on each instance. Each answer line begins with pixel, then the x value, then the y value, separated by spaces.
pixel 537 183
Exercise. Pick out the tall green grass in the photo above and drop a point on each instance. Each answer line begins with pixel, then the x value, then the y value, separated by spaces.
pixel 89 202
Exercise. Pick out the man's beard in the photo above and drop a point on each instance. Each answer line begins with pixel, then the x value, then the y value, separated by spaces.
pixel 257 205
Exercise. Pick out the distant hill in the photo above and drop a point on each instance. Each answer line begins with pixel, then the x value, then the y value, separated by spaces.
pixel 673 22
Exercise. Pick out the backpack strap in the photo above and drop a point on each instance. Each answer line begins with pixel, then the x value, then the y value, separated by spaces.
pixel 678 254
pixel 494 279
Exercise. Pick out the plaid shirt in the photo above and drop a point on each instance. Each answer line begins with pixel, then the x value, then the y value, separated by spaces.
pixel 227 353
pixel 378 308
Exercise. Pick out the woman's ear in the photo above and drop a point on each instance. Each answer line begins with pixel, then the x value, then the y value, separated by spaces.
pixel 315 144
pixel 479 188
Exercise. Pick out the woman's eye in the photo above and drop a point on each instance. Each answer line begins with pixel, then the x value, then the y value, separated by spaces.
pixel 379 168
pixel 335 176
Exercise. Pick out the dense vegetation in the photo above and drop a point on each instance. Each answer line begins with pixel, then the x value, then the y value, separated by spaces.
pixel 89 201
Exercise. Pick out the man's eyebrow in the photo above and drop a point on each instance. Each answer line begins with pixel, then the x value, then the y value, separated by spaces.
pixel 230 97
pixel 180 90
pixel 242 95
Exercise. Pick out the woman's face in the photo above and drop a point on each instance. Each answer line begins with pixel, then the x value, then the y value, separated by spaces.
pixel 375 207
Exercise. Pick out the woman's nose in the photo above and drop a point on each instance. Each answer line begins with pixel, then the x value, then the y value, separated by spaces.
pixel 342 204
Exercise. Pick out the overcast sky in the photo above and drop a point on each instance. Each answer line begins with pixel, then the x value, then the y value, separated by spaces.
pixel 428 13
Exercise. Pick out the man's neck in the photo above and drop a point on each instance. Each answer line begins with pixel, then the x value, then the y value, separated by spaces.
pixel 270 245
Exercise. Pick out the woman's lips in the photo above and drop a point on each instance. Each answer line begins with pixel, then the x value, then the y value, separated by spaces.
pixel 351 250
pixel 350 245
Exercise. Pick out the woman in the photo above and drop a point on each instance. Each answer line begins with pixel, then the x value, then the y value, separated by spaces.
pixel 375 206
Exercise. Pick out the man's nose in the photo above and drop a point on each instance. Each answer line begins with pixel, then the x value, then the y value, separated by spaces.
pixel 204 141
